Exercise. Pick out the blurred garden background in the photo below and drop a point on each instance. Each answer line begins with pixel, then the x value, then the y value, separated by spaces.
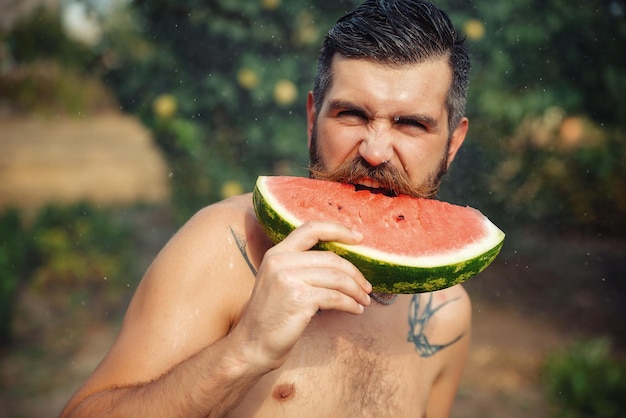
pixel 121 118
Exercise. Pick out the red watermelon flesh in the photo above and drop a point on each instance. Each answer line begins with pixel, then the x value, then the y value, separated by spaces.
pixel 398 231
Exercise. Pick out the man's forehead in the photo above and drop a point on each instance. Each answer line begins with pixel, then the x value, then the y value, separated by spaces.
pixel 442 62
pixel 426 83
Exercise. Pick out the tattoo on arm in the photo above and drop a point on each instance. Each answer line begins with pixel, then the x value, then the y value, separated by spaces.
pixel 241 244
pixel 418 322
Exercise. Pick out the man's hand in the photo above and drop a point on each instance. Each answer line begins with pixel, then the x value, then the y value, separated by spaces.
pixel 294 283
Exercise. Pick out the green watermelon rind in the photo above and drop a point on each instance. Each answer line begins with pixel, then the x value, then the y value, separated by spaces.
pixel 394 278
pixel 385 277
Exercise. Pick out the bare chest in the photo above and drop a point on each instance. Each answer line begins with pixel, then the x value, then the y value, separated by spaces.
pixel 341 368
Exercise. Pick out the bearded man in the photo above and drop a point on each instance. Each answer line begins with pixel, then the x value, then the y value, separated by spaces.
pixel 226 324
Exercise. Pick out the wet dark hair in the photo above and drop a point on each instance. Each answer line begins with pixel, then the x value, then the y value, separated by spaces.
pixel 396 33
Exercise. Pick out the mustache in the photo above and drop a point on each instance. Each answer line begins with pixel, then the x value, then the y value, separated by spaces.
pixel 391 179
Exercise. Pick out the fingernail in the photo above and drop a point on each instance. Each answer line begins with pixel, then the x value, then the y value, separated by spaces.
pixel 357 234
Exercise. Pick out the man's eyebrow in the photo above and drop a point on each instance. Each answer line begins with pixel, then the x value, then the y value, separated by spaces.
pixel 420 118
pixel 343 104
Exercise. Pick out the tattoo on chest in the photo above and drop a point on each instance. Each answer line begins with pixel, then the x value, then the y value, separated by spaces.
pixel 418 321
pixel 242 244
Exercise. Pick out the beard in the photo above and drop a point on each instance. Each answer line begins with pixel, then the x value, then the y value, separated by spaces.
pixel 392 180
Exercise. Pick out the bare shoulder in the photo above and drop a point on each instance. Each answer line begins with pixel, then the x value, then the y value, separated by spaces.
pixel 460 308
pixel 210 257
pixel 189 297
pixel 202 278
pixel 453 319
pixel 453 316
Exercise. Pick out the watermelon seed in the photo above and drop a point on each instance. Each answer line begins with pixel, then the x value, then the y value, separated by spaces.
pixel 339 207
pixel 399 218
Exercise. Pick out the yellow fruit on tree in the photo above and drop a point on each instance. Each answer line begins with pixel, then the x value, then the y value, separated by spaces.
pixel 474 29
pixel 247 78
pixel 165 106
pixel 270 4
pixel 231 188
pixel 285 92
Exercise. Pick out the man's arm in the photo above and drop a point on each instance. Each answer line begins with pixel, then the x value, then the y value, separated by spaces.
pixel 209 384
pixel 179 351
pixel 172 347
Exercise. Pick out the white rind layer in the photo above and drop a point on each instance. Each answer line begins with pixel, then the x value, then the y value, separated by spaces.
pixel 459 255
pixel 493 237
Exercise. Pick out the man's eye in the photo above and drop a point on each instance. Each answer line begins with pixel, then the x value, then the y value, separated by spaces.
pixel 352 114
pixel 410 122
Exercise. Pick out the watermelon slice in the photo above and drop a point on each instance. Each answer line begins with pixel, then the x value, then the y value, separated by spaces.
pixel 409 245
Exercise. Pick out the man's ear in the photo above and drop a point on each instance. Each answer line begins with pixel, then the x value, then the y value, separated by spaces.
pixel 310 117
pixel 457 138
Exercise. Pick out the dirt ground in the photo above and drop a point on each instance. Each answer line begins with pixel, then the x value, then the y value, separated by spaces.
pixel 109 159
pixel 540 295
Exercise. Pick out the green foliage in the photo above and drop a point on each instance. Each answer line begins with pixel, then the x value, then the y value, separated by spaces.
pixel 78 247
pixel 238 71
pixel 586 381
pixel 66 251
pixel 536 54
pixel 12 257
pixel 44 71
pixel 40 36
pixel 48 88
pixel 564 171
pixel 222 61
pixel 538 67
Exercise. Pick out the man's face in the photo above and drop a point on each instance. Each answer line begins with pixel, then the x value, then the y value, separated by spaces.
pixel 385 127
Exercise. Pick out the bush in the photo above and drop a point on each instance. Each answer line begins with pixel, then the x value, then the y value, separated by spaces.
pixel 546 113
pixel 45 71
pixel 70 253
pixel 563 171
pixel 586 381
pixel 40 36
pixel 79 247
pixel 12 257
pixel 48 88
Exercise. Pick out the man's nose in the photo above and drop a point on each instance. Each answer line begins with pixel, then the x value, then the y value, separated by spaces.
pixel 377 146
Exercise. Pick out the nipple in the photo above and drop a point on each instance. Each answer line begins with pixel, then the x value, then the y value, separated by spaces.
pixel 284 392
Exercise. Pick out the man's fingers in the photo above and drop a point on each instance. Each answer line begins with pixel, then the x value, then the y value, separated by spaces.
pixel 321 269
pixel 354 286
pixel 334 300
pixel 307 235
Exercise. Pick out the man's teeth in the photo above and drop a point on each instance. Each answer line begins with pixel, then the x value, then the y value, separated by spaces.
pixel 369 183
